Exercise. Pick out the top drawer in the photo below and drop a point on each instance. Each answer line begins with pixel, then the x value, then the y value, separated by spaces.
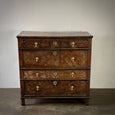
pixel 54 43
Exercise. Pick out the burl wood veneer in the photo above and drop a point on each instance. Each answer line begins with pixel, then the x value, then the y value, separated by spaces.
pixel 54 64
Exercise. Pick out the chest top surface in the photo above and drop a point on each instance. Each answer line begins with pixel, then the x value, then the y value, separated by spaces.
pixel 54 34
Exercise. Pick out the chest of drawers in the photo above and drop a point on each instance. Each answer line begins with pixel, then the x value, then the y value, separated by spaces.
pixel 54 64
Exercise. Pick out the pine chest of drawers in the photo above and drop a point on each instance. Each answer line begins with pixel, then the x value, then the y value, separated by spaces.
pixel 54 64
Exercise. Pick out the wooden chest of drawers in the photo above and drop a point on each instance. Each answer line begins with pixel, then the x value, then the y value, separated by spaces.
pixel 54 64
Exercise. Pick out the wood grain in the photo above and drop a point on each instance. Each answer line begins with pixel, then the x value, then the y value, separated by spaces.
pixel 47 43
pixel 62 59
pixel 76 34
pixel 63 88
pixel 55 74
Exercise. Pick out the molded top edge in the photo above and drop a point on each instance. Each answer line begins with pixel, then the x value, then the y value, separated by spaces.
pixel 54 34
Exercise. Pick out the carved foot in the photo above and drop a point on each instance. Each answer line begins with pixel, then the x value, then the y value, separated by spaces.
pixel 23 102
pixel 87 101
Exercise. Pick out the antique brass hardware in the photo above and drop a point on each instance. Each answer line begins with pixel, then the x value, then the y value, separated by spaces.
pixel 37 88
pixel 37 74
pixel 36 44
pixel 55 83
pixel 73 58
pixel 54 43
pixel 55 73
pixel 72 87
pixel 72 74
pixel 37 58
pixel 73 44
pixel 54 53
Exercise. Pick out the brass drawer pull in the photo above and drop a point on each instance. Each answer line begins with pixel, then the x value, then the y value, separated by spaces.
pixel 37 88
pixel 55 83
pixel 72 74
pixel 73 44
pixel 72 87
pixel 37 74
pixel 54 53
pixel 36 44
pixel 54 43
pixel 55 73
pixel 73 59
pixel 37 58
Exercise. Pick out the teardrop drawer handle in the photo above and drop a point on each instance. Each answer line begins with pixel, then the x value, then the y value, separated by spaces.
pixel 73 44
pixel 37 58
pixel 37 74
pixel 72 87
pixel 36 44
pixel 55 83
pixel 72 74
pixel 73 59
pixel 37 88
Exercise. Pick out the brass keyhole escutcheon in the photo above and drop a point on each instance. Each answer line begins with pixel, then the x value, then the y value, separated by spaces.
pixel 37 88
pixel 73 44
pixel 54 53
pixel 36 44
pixel 37 58
pixel 73 59
pixel 72 74
pixel 72 87
pixel 55 73
pixel 54 43
pixel 55 83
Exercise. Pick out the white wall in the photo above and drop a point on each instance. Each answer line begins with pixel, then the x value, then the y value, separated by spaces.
pixel 95 16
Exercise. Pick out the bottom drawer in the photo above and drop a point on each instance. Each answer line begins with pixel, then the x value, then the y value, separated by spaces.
pixel 55 88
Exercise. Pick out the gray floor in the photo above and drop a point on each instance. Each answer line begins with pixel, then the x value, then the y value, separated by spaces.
pixel 102 102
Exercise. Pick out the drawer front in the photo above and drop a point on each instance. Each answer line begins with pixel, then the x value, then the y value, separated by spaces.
pixel 73 59
pixel 69 44
pixel 55 58
pixel 55 88
pixel 34 44
pixel 55 74
pixel 41 59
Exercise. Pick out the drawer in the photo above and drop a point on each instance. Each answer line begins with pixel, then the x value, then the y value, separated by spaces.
pixel 37 44
pixel 34 44
pixel 57 59
pixel 55 88
pixel 69 43
pixel 55 74
pixel 41 58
